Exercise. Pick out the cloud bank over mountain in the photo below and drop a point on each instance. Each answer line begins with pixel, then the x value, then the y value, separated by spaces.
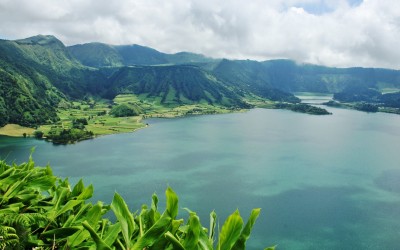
pixel 330 32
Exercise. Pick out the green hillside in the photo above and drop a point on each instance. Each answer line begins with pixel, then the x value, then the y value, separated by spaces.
pixel 289 76
pixel 140 55
pixel 187 57
pixel 173 85
pixel 48 51
pixel 96 55
pixel 252 77
pixel 27 96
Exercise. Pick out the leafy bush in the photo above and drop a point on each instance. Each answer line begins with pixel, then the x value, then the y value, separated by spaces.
pixel 66 136
pixel 40 210
pixel 367 107
pixel 303 108
pixel 38 134
pixel 79 123
pixel 123 110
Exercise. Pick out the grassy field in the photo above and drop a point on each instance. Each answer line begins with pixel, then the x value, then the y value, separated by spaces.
pixel 16 130
pixel 100 122
pixel 152 107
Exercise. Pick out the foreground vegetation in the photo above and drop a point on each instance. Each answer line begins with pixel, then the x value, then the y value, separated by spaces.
pixel 39 210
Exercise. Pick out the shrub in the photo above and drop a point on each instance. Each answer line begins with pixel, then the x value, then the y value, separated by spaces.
pixel 123 110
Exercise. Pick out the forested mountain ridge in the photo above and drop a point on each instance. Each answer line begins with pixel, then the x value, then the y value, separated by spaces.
pixel 282 74
pixel 289 76
pixel 105 55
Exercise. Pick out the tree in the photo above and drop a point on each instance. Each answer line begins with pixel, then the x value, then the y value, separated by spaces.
pixel 38 134
pixel 123 110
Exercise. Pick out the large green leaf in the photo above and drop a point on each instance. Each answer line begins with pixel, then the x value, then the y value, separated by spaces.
pixel 80 215
pixel 142 220
pixel 241 242
pixel 125 217
pixel 12 191
pixel 42 183
pixel 192 236
pixel 172 202
pixel 59 197
pixel 156 232
pixel 213 223
pixel 8 176
pixel 60 233
pixel 112 233
pixel 100 244
pixel 78 188
pixel 87 193
pixel 230 231
pixel 94 214
pixel 92 217
pixel 70 205
pixel 174 241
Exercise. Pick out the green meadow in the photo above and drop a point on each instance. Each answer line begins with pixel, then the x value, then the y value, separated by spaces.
pixel 101 122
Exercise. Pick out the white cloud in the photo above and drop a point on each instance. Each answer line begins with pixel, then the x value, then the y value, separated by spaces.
pixel 330 32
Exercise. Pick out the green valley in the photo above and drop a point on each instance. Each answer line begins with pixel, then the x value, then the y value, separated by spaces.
pixel 48 86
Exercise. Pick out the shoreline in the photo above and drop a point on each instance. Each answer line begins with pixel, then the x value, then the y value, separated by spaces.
pixel 15 130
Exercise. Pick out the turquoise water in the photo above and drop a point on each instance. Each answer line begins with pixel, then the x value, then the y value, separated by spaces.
pixel 323 182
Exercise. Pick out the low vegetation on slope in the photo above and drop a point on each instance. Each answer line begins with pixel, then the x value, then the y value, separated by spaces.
pixel 39 210
pixel 174 85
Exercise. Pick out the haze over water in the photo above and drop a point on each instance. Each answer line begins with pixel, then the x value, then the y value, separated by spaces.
pixel 323 182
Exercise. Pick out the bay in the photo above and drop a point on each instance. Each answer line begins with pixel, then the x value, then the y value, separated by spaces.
pixel 323 182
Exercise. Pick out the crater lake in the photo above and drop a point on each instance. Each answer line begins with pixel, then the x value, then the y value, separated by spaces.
pixel 323 182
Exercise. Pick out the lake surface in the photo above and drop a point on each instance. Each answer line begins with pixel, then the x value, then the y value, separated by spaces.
pixel 323 182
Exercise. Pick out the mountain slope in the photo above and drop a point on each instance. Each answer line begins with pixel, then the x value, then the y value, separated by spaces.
pixel 173 85
pixel 96 55
pixel 27 96
pixel 252 77
pixel 289 76
pixel 48 51
pixel 140 55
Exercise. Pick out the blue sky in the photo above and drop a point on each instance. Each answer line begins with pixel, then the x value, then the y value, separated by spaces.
pixel 339 33
pixel 321 7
